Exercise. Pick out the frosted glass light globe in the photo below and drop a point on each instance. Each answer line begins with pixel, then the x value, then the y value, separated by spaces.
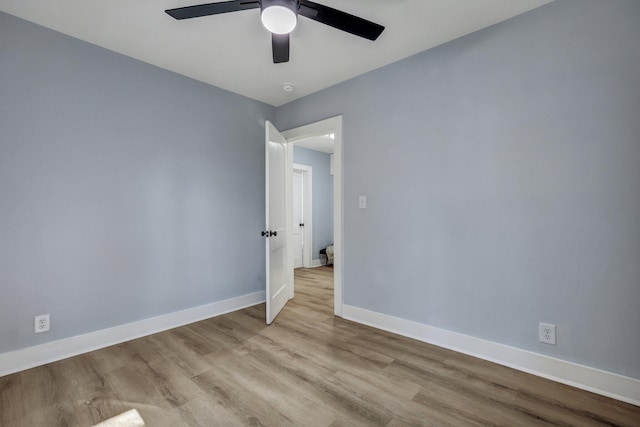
pixel 279 19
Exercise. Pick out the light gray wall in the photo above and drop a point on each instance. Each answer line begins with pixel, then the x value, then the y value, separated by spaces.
pixel 322 196
pixel 126 191
pixel 503 179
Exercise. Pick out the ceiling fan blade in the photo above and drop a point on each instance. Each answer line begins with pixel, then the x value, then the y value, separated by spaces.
pixel 212 8
pixel 340 20
pixel 280 47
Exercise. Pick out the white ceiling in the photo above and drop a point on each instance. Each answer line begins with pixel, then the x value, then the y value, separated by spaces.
pixel 322 143
pixel 233 50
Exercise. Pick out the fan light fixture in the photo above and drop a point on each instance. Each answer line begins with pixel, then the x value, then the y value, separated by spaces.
pixel 279 16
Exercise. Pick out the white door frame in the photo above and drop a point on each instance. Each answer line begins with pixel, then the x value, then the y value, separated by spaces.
pixel 307 215
pixel 324 127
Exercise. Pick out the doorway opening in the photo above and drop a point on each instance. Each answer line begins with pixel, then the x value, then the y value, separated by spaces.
pixel 327 132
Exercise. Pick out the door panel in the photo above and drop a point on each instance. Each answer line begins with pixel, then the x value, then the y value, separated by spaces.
pixel 298 218
pixel 277 292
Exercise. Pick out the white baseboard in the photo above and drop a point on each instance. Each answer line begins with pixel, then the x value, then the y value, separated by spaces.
pixel 584 377
pixel 316 263
pixel 30 357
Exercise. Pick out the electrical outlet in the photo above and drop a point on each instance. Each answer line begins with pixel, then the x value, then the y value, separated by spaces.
pixel 41 323
pixel 547 333
pixel 362 202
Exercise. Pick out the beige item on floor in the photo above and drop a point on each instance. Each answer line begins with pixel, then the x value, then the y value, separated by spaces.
pixel 130 418
pixel 329 254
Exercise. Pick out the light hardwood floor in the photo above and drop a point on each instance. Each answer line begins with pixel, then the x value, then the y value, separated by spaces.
pixel 307 369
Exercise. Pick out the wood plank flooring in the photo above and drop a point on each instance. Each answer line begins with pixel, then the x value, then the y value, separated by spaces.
pixel 307 369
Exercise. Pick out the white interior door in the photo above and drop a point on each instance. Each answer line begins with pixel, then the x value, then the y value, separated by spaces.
pixel 298 218
pixel 275 232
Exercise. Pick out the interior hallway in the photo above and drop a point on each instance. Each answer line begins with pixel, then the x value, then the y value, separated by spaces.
pixel 308 368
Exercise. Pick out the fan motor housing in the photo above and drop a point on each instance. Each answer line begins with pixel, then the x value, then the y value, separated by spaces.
pixel 289 4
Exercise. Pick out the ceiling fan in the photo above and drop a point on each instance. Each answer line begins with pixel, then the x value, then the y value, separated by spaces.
pixel 281 16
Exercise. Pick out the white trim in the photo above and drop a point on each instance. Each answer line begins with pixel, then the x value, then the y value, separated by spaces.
pixel 289 213
pixel 316 263
pixel 584 377
pixel 323 127
pixel 31 357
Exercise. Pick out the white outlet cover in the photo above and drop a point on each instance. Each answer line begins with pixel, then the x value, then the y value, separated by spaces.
pixel 41 324
pixel 547 333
